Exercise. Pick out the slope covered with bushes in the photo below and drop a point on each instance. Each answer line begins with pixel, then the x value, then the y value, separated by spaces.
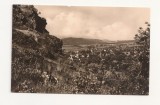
pixel 32 48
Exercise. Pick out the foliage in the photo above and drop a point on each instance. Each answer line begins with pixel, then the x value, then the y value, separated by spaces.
pixel 106 74
pixel 143 39
pixel 143 36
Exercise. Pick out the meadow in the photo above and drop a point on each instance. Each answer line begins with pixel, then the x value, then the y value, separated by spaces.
pixel 115 69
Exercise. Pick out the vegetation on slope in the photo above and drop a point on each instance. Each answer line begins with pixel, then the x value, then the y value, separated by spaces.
pixel 40 66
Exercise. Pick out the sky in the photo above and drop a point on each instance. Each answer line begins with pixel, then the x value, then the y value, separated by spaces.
pixel 105 23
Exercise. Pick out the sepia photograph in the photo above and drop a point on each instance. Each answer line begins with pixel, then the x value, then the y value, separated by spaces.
pixel 80 50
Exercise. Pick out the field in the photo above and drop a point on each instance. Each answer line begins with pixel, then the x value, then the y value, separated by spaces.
pixel 88 69
pixel 108 69
pixel 85 64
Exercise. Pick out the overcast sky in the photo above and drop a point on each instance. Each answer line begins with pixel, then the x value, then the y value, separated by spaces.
pixel 112 23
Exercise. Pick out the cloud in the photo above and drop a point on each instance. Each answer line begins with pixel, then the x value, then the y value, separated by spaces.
pixel 94 22
pixel 117 30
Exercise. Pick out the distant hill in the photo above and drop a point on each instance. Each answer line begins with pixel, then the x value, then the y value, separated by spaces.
pixel 83 41
pixel 125 41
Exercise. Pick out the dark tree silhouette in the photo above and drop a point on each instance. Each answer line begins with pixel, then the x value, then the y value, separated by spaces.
pixel 143 39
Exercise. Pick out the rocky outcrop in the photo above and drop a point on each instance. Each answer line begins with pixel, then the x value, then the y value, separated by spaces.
pixel 34 51
pixel 26 16
pixel 29 31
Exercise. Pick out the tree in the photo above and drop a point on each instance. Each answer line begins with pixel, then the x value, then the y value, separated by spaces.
pixel 143 39
pixel 143 36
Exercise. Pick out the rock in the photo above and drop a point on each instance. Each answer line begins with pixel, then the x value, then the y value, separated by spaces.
pixel 32 46
pixel 26 16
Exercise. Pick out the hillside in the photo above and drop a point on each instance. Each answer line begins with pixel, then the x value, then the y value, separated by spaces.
pixel 83 41
pixel 39 65
pixel 33 49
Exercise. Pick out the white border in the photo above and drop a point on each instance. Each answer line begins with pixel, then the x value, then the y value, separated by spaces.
pixel 8 98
